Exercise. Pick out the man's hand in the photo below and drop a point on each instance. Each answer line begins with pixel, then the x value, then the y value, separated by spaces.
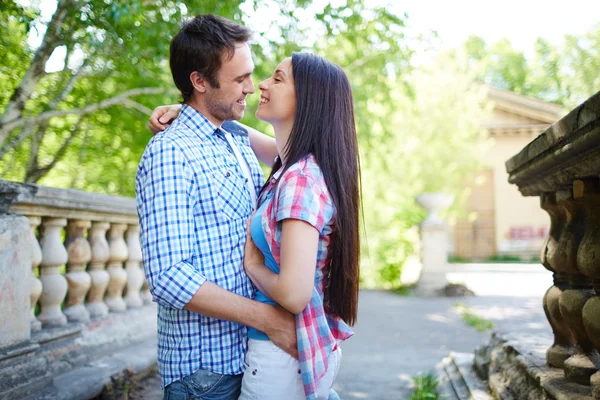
pixel 282 331
pixel 162 117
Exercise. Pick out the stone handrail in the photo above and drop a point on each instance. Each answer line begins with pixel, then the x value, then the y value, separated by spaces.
pixel 562 166
pixel 34 200
pixel 94 271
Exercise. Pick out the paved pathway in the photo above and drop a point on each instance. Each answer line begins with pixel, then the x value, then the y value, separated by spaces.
pixel 399 337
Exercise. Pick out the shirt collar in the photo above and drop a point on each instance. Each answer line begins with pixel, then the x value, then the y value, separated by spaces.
pixel 196 121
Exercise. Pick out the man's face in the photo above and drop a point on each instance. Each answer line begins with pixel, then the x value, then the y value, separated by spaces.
pixel 228 102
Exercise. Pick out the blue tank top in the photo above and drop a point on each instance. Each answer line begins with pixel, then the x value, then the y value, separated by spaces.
pixel 258 235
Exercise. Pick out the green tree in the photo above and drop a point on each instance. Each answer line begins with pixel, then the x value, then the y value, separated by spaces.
pixel 564 73
pixel 85 126
pixel 434 145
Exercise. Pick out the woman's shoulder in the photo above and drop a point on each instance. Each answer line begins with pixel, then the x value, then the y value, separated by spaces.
pixel 306 167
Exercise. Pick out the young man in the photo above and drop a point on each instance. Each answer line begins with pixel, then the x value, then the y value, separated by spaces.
pixel 195 187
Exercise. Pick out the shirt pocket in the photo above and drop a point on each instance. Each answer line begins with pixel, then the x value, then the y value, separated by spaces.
pixel 232 198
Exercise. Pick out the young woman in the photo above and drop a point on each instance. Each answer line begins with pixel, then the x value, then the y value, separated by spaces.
pixel 302 249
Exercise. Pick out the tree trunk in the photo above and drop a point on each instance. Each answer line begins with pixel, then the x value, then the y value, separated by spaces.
pixel 35 72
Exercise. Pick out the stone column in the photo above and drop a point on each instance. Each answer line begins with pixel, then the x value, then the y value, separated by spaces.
pixel 145 293
pixel 434 244
pixel 588 259
pixel 99 277
pixel 79 280
pixel 135 275
pixel 579 367
pixel 54 285
pixel 554 260
pixel 36 284
pixel 15 276
pixel 118 276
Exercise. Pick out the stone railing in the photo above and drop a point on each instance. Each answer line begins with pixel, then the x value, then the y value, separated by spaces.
pixel 69 261
pixel 562 167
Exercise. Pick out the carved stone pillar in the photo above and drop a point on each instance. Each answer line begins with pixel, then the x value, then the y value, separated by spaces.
pixel 145 294
pixel 118 276
pixel 579 366
pixel 135 275
pixel 54 285
pixel 36 284
pixel 588 259
pixel 99 277
pixel 553 260
pixel 80 253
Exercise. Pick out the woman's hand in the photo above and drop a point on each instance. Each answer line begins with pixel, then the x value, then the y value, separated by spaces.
pixel 162 117
pixel 253 257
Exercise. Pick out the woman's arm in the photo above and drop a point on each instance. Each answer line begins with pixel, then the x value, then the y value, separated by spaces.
pixel 292 287
pixel 263 146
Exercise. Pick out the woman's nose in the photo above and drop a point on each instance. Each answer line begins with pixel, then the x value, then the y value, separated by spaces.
pixel 263 85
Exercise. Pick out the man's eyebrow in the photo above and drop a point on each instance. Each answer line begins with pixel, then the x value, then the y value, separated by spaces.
pixel 243 76
pixel 279 70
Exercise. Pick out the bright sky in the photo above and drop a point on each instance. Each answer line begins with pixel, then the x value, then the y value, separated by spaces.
pixel 520 21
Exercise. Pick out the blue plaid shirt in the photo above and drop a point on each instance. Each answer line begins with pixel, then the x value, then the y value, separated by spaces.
pixel 193 203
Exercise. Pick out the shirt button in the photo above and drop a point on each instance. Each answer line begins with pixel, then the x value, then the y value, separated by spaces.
pixel 228 174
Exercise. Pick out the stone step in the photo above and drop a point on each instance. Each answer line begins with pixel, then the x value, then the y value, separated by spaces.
pixel 457 379
pixel 515 366
pixel 115 374
pixel 80 361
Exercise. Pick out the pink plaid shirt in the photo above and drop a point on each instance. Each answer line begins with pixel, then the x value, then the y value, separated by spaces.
pixel 302 194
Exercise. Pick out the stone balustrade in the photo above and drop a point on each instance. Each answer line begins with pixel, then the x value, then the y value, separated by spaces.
pixel 83 258
pixel 562 167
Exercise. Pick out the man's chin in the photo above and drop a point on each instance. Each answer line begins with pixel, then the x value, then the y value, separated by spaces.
pixel 236 116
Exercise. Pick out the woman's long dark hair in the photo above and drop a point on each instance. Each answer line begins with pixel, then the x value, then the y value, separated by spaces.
pixel 324 126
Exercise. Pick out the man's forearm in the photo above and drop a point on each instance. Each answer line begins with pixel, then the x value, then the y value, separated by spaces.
pixel 277 323
pixel 214 301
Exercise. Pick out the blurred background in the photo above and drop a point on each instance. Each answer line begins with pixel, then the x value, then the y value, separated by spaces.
pixel 445 92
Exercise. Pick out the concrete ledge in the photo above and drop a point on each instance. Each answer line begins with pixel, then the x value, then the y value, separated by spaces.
pixel 568 150
pixel 515 368
pixel 34 200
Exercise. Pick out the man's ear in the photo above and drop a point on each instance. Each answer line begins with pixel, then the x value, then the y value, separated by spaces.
pixel 198 81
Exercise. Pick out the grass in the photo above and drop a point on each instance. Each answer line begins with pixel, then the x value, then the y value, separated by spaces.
pixel 404 291
pixel 472 319
pixel 498 258
pixel 425 388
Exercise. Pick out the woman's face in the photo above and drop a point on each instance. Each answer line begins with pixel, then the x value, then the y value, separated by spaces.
pixel 278 98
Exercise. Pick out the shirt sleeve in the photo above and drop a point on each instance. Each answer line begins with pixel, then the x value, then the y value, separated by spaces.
pixel 301 197
pixel 165 202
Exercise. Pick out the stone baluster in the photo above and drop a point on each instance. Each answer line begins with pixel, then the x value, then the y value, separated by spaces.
pixel 80 253
pixel 98 274
pixel 561 349
pixel 145 294
pixel 118 276
pixel 135 275
pixel 36 284
pixel 54 285
pixel 578 368
pixel 588 259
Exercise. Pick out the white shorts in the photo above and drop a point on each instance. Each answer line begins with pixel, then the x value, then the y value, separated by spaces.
pixel 272 374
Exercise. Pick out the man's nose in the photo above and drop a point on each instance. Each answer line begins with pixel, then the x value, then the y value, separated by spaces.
pixel 249 87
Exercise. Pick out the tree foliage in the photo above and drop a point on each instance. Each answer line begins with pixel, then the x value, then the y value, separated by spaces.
pixel 84 126
pixel 564 73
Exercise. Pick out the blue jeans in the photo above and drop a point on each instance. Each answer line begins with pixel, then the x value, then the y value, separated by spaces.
pixel 206 385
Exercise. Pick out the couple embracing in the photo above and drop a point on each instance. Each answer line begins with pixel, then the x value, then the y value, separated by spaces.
pixel 256 281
